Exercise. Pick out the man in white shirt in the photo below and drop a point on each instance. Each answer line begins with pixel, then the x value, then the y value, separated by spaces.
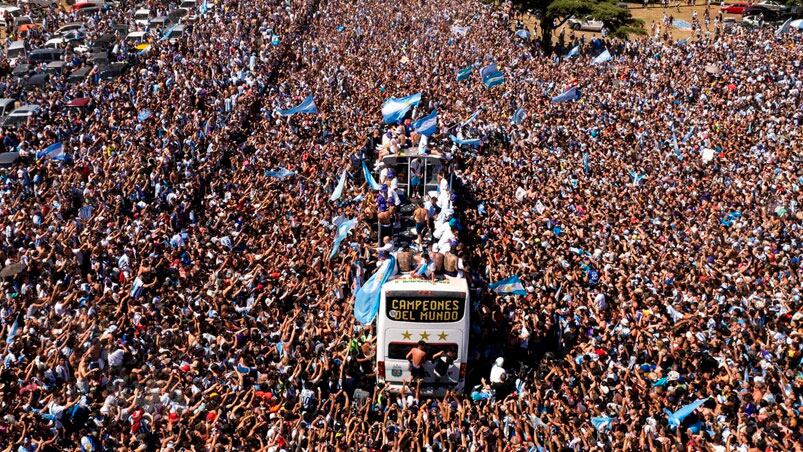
pixel 497 371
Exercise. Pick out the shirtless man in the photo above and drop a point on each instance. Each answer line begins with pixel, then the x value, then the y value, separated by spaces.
pixel 417 357
pixel 421 217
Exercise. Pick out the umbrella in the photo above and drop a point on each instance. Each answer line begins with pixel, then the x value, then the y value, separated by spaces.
pixel 12 270
pixel 7 158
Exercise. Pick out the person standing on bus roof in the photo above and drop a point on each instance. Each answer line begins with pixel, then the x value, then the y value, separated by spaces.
pixel 417 357
pixel 426 267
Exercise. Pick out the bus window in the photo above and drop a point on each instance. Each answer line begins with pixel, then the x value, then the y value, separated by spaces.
pixel 442 308
pixel 399 350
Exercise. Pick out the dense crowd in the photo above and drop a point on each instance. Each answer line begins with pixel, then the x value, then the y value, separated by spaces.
pixel 176 291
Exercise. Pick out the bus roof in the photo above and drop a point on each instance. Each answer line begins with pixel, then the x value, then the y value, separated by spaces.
pixel 405 283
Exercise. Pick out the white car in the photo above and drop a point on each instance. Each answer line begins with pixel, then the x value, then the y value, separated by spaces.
pixel 142 17
pixel 71 27
pixel 587 24
pixel 772 5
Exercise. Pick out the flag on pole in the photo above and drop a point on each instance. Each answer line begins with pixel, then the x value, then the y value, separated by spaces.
pixel 427 125
pixel 307 106
pixel 339 189
pixel 464 74
pixel 569 95
pixel 471 118
pixel 366 300
pixel 393 110
pixel 372 184
pixel 511 285
pixel 166 34
pixel 54 152
pixel 602 57
pixel 471 142
pixel 491 76
pixel 343 230
pixel 783 29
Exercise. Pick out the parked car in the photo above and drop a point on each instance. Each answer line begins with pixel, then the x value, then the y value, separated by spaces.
pixel 70 27
pixel 735 8
pixel 16 51
pixel 21 114
pixel 767 14
pixel 79 75
pixel 45 55
pixel 113 70
pixel 6 106
pixel 773 5
pixel 142 17
pixel 587 24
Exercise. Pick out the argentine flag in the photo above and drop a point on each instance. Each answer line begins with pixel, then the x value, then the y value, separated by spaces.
pixel 602 57
pixel 343 230
pixel 203 8
pixel 366 300
pixel 55 152
pixel 372 183
pixel 518 116
pixel 471 142
pixel 427 125
pixel 393 110
pixel 511 285
pixel 491 76
pixel 307 106
pixel 602 423
pixel 339 189
pixel 572 53
pixel 569 95
pixel 471 118
pixel 677 417
pixel 464 74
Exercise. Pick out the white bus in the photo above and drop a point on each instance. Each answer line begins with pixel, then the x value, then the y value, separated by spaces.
pixel 436 312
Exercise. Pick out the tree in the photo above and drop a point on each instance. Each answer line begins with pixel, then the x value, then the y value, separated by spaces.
pixel 554 13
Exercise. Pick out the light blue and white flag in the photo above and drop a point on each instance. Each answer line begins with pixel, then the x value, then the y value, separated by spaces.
pixel 783 29
pixel 143 115
pixel 572 53
pixel 471 118
pixel 428 124
pixel 343 230
pixel 464 74
pixel 602 423
pixel 508 286
pixel 366 300
pixel 12 331
pixel 675 146
pixel 603 57
pixel 471 142
pixel 677 417
pixel 636 177
pixel 275 40
pixel 569 95
pixel 586 166
pixel 394 109
pixel 688 135
pixel 203 8
pixel 523 34
pixel 460 31
pixel 339 189
pixel 280 173
pixel 166 34
pixel 518 116
pixel 681 24
pixel 491 76
pixel 372 184
pixel 307 106
pixel 54 152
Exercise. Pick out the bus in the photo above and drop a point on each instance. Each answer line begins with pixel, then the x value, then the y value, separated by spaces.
pixel 436 312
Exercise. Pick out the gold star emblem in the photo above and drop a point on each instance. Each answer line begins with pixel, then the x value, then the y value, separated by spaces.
pixel 406 335
pixel 442 336
pixel 424 336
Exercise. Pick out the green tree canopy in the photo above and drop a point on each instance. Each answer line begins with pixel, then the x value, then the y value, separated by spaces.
pixel 553 13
